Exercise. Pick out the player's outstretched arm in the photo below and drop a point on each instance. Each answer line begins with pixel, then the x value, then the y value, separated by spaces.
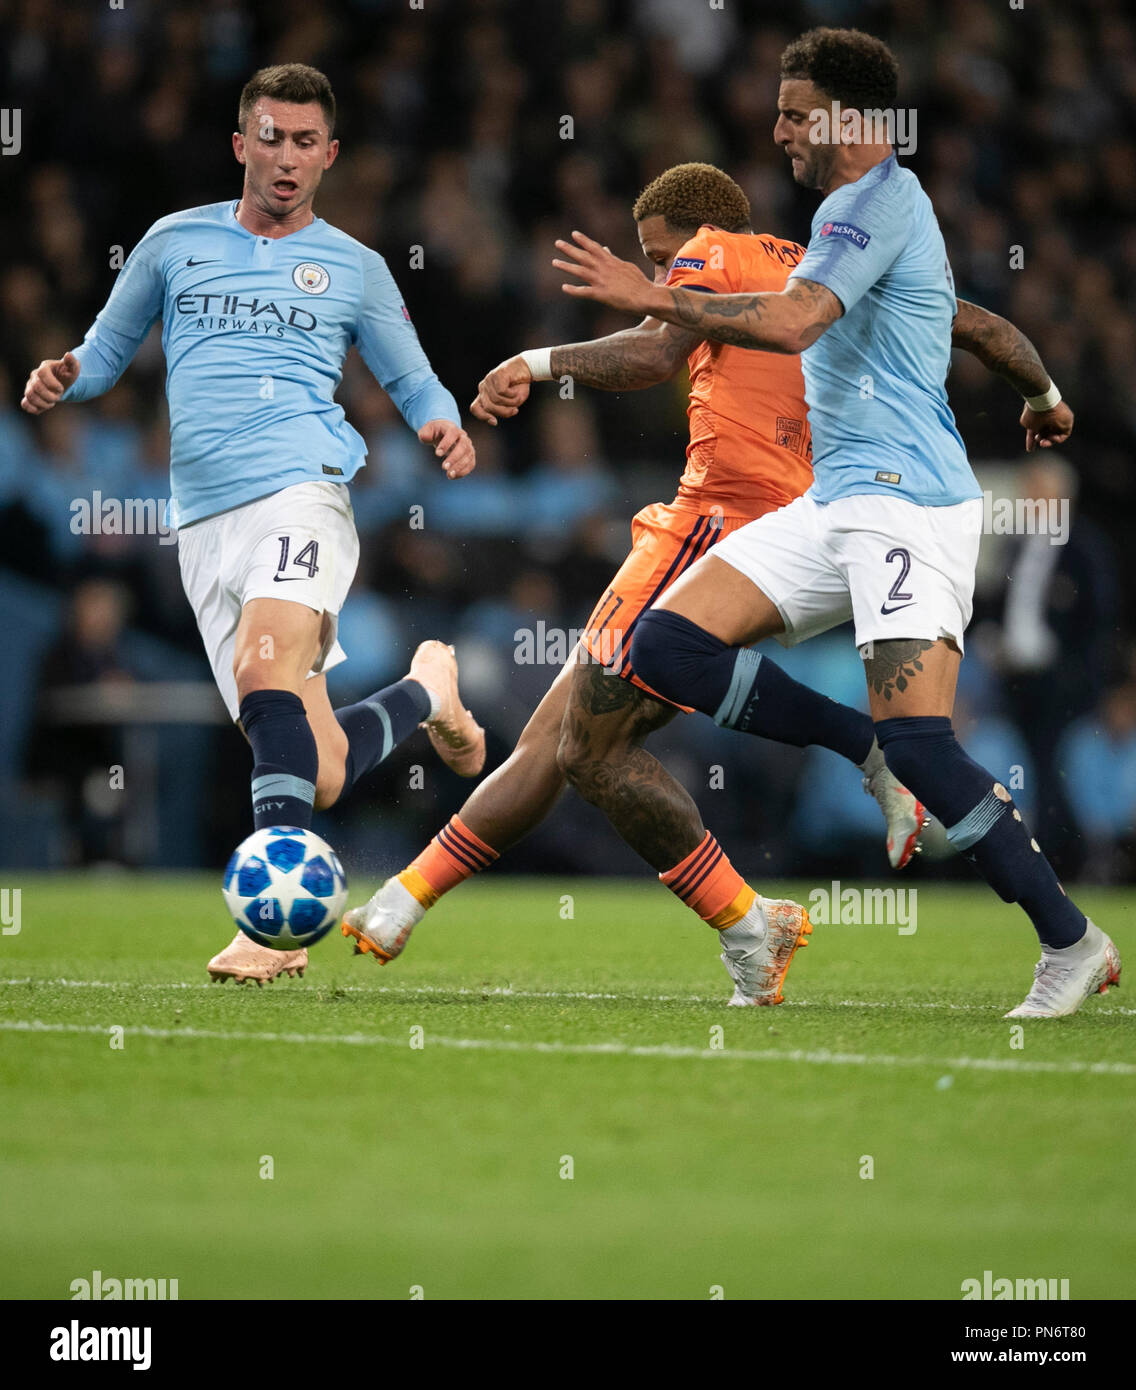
pixel 1000 347
pixel 650 353
pixel 1006 351
pixel 47 383
pixel 787 321
pixel 646 355
pixel 94 367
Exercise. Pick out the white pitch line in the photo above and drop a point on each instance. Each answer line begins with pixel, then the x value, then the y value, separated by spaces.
pixel 608 1049
pixel 507 992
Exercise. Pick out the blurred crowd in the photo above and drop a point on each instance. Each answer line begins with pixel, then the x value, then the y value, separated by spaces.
pixel 474 132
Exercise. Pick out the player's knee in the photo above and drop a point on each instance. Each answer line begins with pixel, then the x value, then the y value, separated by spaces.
pixel 248 677
pixel 669 653
pixel 252 671
pixel 272 661
pixel 592 771
pixel 588 777
pixel 577 763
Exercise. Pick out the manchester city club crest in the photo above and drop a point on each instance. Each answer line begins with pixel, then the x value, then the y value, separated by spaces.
pixel 311 278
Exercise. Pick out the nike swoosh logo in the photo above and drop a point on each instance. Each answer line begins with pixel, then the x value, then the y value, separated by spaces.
pixel 191 261
pixel 288 578
pixel 885 610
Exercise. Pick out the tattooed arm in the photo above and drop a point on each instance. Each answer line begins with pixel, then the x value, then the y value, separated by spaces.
pixel 1000 347
pixel 786 321
pixel 1006 351
pixel 628 361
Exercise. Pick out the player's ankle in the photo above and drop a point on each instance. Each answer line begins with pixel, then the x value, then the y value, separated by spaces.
pixel 434 698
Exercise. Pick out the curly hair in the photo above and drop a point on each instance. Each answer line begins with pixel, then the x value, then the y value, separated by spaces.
pixel 847 65
pixel 689 195
pixel 294 82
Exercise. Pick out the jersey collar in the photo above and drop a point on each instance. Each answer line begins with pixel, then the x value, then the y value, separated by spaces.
pixel 315 222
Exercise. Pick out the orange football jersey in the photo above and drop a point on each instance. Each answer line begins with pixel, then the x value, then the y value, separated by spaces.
pixel 750 447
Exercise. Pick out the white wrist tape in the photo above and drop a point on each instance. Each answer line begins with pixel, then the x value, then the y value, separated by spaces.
pixel 1046 402
pixel 539 363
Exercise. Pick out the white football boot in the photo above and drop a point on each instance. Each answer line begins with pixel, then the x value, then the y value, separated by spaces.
pixel 760 947
pixel 382 927
pixel 245 959
pixel 903 811
pixel 1065 978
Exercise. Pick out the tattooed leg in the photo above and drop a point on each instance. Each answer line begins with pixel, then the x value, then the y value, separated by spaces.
pixel 604 725
pixel 907 676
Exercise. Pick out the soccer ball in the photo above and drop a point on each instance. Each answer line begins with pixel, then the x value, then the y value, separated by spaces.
pixel 285 887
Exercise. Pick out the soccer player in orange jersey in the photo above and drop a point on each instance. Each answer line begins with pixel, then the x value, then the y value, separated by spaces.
pixel 748 454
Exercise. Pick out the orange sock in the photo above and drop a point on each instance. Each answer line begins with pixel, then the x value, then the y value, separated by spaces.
pixel 452 856
pixel 709 884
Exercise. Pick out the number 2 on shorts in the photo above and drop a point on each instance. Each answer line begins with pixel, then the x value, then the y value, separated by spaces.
pixel 894 592
pixel 897 594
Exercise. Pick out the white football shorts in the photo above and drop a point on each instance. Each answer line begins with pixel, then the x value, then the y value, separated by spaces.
pixel 298 544
pixel 898 569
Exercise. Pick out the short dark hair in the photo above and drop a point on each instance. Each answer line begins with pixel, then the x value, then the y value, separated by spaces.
pixel 294 82
pixel 847 65
pixel 689 195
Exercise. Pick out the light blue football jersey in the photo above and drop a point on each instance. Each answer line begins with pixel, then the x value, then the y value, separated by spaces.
pixel 875 379
pixel 255 331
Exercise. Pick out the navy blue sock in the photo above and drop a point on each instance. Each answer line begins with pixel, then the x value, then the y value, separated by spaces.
pixel 285 761
pixel 742 689
pixel 378 724
pixel 981 821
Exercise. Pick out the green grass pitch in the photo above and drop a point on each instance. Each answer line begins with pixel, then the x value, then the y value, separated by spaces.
pixel 553 1046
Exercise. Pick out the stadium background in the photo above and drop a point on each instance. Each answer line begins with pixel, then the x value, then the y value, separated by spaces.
pixel 451 121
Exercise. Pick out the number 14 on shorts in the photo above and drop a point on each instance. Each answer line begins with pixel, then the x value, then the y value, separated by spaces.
pixel 307 560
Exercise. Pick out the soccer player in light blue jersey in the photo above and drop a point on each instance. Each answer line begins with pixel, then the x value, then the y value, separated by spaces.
pixel 888 534
pixel 260 301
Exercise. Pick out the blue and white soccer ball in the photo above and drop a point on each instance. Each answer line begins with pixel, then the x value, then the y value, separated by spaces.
pixel 285 887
